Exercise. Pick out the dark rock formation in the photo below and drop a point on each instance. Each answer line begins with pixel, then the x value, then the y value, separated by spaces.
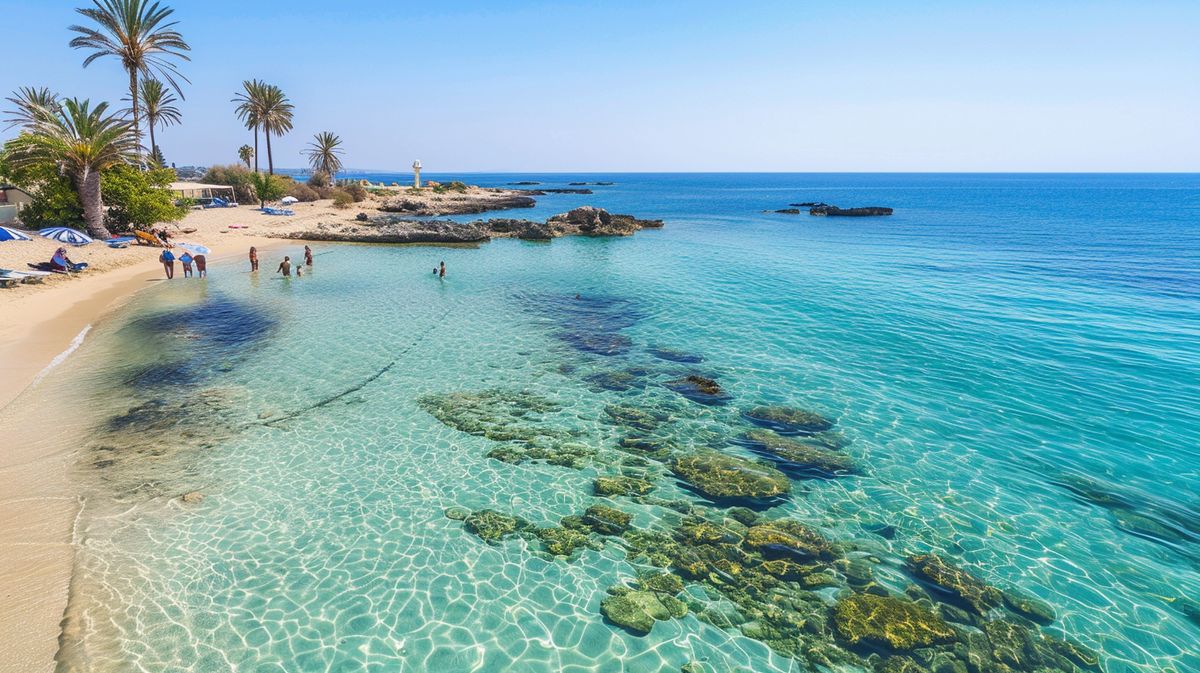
pixel 543 192
pixel 584 221
pixel 866 211
pixel 700 389
pixel 787 420
pixel 525 183
pixel 788 211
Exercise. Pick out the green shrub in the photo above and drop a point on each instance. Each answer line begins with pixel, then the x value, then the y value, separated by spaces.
pixel 356 191
pixel 303 192
pixel 342 198
pixel 237 176
pixel 138 199
pixel 319 179
pixel 268 187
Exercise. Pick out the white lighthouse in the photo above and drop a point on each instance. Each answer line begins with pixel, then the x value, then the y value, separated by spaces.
pixel 417 174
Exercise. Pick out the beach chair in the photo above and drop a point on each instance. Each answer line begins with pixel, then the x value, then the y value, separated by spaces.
pixel 149 239
pixel 24 276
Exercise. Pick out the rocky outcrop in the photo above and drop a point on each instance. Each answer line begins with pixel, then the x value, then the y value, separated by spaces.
pixel 471 200
pixel 834 211
pixel 584 221
pixel 592 221
pixel 543 192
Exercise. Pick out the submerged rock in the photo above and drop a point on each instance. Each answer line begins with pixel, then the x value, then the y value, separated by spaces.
pixel 457 513
pixel 787 538
pixel 1029 608
pixel 563 454
pixel 864 211
pixel 598 343
pixel 635 418
pixel 887 621
pixel 955 582
pixel 638 610
pixel 499 415
pixel 562 540
pixel 609 486
pixel 491 525
pixel 788 420
pixel 673 355
pixel 807 457
pixel 700 389
pixel 663 583
pixel 720 477
pixel 606 520
pixel 192 498
pixel 620 380
pixel 647 447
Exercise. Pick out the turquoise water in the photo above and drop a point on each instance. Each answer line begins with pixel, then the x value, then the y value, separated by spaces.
pixel 1012 361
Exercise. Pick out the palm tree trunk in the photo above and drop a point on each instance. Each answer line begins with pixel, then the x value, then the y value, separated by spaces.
pixel 153 145
pixel 270 160
pixel 137 132
pixel 88 189
pixel 255 149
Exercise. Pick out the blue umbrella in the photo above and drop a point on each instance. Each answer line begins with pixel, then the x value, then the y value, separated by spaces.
pixel 194 248
pixel 7 234
pixel 66 235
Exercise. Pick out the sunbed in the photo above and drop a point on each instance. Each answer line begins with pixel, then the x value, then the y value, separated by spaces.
pixel 120 241
pixel 278 211
pixel 149 239
pixel 24 276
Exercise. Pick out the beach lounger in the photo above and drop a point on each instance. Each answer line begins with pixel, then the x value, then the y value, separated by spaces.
pixel 149 239
pixel 24 276
pixel 120 241
pixel 278 211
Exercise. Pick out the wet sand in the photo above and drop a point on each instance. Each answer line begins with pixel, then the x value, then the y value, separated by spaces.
pixel 39 326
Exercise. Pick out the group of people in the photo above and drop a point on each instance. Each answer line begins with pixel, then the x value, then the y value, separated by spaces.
pixel 285 267
pixel 187 260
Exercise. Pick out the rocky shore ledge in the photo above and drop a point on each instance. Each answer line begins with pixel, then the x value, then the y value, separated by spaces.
pixel 583 221
pixel 824 209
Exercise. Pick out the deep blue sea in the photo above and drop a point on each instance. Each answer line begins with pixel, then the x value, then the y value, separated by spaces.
pixel 1010 362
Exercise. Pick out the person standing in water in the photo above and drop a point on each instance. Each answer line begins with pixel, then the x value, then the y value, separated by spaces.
pixel 201 266
pixel 253 258
pixel 442 270
pixel 186 260
pixel 168 261
pixel 307 256
pixel 285 267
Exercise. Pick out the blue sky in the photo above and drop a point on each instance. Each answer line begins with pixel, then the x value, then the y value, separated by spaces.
pixel 675 86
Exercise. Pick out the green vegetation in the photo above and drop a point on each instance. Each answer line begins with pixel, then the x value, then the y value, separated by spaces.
pixel 158 104
pixel 138 199
pixel 246 154
pixel 139 34
pixel 264 106
pixel 80 142
pixel 342 199
pixel 235 176
pixel 455 186
pixel 268 187
pixel 323 154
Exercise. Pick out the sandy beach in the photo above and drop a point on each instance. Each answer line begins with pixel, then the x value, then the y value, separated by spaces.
pixel 40 324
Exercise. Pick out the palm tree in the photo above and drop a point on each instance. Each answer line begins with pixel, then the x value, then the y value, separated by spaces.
pixel 81 141
pixel 250 107
pixel 158 104
pixel 246 153
pixel 138 33
pixel 323 154
pixel 276 118
pixel 29 102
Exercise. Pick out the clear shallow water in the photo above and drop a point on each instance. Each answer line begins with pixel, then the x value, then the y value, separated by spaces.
pixel 985 350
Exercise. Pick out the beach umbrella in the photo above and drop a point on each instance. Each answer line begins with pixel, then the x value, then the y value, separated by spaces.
pixel 66 235
pixel 289 200
pixel 7 234
pixel 194 248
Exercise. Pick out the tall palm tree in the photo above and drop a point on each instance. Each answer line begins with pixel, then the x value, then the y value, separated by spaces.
pixel 28 103
pixel 276 118
pixel 323 154
pixel 81 141
pixel 246 153
pixel 158 105
pixel 250 108
pixel 138 33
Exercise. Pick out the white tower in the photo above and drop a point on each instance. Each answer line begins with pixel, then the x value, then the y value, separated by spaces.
pixel 417 174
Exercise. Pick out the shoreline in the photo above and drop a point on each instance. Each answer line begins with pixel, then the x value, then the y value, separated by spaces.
pixel 40 504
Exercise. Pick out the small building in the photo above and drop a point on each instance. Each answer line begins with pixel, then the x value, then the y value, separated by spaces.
pixel 12 201
pixel 201 192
